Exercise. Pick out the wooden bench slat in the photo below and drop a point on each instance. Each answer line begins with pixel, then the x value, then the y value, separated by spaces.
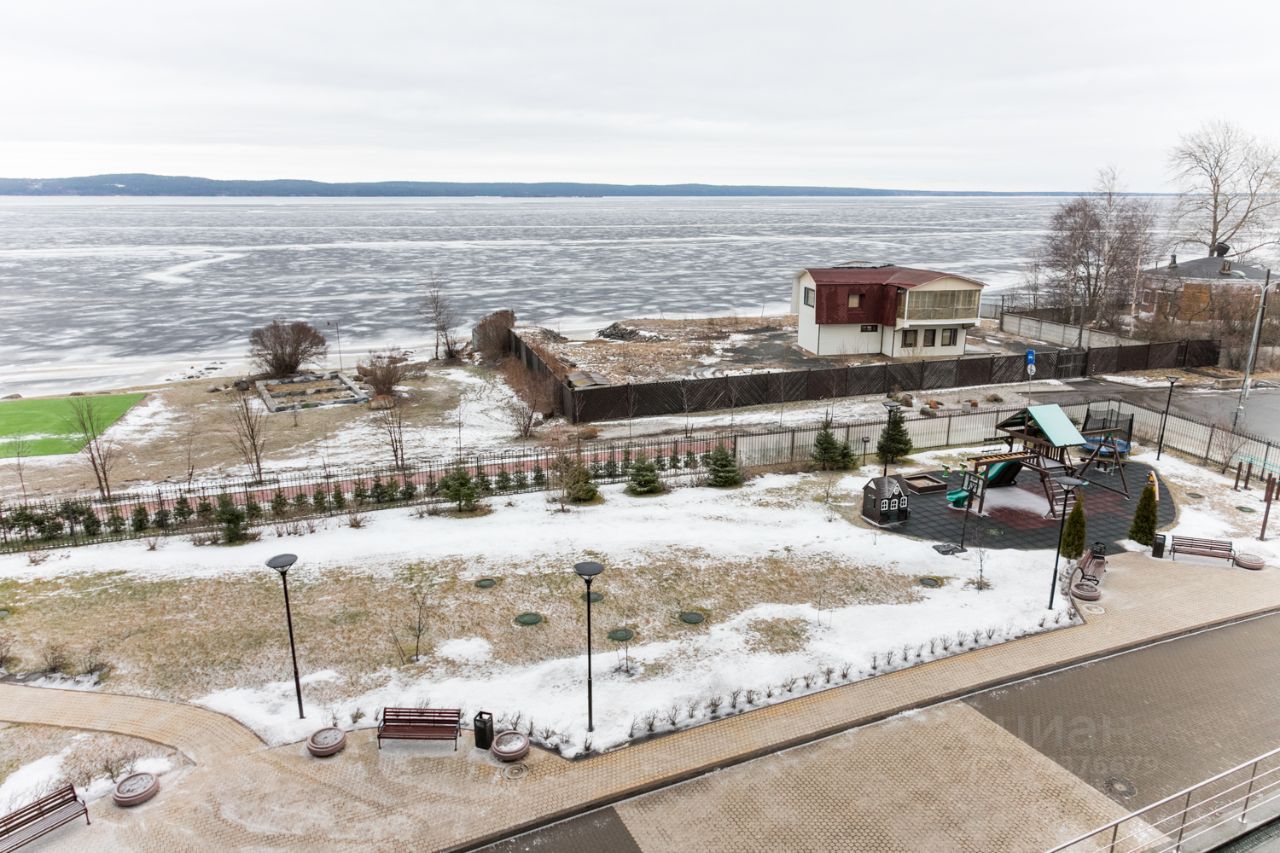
pixel 34 820
pixel 420 724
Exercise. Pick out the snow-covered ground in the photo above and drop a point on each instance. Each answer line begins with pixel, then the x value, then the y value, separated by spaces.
pixel 672 676
pixel 37 778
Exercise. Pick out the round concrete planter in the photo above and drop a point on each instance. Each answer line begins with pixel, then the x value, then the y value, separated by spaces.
pixel 510 746
pixel 327 741
pixel 1086 592
pixel 136 789
pixel 1252 562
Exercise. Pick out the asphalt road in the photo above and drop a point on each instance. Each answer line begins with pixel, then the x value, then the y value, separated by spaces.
pixel 1261 415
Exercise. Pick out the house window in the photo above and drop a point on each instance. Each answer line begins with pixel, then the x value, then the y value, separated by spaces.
pixel 893 504
pixel 870 327
pixel 855 300
pixel 930 336
pixel 908 337
pixel 948 337
pixel 809 297
pixel 884 505
pixel 902 504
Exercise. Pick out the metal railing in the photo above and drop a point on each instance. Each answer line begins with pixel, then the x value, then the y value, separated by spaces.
pixel 1197 818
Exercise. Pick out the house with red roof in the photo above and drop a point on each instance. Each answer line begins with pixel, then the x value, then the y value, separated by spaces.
pixel 868 308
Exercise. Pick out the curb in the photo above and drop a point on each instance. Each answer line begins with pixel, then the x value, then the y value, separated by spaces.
pixel 839 728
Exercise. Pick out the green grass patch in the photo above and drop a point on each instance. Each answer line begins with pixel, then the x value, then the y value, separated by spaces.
pixel 44 423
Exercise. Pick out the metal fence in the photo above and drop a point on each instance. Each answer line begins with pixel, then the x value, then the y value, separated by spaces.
pixel 294 498
pixel 1202 817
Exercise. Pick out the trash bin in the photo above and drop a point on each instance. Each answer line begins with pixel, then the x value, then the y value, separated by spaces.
pixel 1157 547
pixel 1099 549
pixel 483 728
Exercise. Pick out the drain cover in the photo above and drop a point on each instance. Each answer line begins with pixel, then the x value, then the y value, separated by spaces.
pixel 1094 609
pixel 515 771
pixel 1120 786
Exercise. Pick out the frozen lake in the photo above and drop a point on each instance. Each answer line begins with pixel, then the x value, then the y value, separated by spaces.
pixel 102 291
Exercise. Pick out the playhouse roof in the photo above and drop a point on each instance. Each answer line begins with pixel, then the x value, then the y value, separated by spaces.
pixel 886 487
pixel 1050 420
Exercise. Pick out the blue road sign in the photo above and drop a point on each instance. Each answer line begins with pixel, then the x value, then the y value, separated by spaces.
pixel 1031 357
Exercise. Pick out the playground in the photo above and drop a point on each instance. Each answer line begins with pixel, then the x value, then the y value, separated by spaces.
pixel 1017 498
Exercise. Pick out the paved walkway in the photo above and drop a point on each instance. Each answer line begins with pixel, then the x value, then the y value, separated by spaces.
pixel 424 796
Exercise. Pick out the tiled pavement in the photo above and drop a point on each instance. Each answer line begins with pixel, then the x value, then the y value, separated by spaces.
pixel 425 796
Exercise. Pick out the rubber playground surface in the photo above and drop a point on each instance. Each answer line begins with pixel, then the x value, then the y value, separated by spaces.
pixel 1016 512
pixel 45 423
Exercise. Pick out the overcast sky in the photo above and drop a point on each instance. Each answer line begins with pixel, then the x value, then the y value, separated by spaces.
pixel 944 95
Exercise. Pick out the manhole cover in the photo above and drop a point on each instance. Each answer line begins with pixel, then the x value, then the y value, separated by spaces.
pixel 692 617
pixel 930 581
pixel 622 635
pixel 595 596
pixel 487 583
pixel 528 618
pixel 515 771
pixel 1246 509
pixel 1093 609
pixel 1195 495
pixel 1120 787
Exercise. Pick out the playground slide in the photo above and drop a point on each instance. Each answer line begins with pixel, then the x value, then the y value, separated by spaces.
pixel 999 474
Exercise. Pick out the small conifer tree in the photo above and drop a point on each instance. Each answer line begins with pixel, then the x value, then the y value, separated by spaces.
pixel 829 453
pixel 1143 529
pixel 141 519
pixel 643 478
pixel 459 489
pixel 723 469
pixel 895 441
pixel 1074 534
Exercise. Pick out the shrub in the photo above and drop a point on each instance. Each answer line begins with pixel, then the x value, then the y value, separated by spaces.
pixel 279 503
pixel 1074 533
pixel 115 522
pixel 829 453
pixel 301 502
pixel 162 519
pixel 503 481
pixel 280 349
pixel 252 509
pixel 575 481
pixel 140 520
pixel 204 510
pixel 723 468
pixel 319 499
pixel 643 479
pixel 458 487
pixel 338 499
pixel 1143 529
pixel 182 510
pixel 539 477
pixel 384 371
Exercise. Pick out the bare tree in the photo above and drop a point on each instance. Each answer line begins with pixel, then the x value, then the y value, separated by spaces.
pixel 1094 251
pixel 189 437
pixel 492 334
pixel 414 627
pixel 443 319
pixel 385 370
pixel 248 430
pixel 21 450
pixel 1229 181
pixel 88 423
pixel 280 349
pixel 391 423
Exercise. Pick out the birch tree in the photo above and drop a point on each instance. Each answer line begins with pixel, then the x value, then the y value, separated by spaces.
pixel 1229 180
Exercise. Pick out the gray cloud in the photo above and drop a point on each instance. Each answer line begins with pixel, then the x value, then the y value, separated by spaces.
pixel 935 95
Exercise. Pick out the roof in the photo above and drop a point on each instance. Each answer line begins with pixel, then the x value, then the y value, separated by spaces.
pixel 1050 420
pixel 1209 269
pixel 883 486
pixel 885 274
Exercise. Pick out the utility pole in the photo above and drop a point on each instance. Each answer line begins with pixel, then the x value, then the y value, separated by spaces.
pixel 1253 349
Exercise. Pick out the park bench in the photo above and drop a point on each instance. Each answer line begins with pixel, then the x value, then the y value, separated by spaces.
pixel 43 816
pixel 1092 568
pixel 420 724
pixel 1204 547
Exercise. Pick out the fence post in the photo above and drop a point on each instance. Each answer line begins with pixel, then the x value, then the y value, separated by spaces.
pixel 1265 456
pixel 791 454
pixel 950 416
pixel 1209 444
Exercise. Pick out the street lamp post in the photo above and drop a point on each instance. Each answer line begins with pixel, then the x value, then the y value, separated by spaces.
pixel 281 564
pixel 866 440
pixel 1164 419
pixel 588 572
pixel 1253 351
pixel 1069 485
pixel 337 330
pixel 890 408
